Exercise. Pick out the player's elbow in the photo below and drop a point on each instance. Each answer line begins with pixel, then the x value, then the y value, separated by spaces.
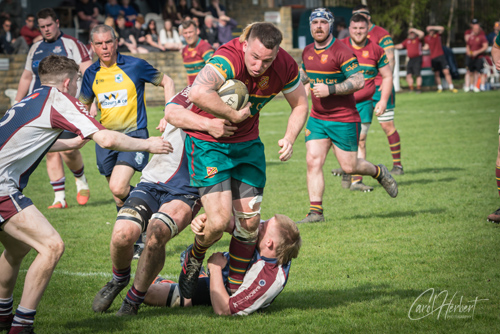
pixel 223 311
pixel 105 139
pixel 196 94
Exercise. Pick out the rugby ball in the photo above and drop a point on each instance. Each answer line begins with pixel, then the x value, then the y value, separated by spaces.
pixel 234 93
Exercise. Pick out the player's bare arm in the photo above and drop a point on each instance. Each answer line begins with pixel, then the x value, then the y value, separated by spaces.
pixel 304 78
pixel 204 95
pixel 68 144
pixel 118 141
pixel 420 34
pixel 218 293
pixel 169 90
pixel 300 107
pixel 24 85
pixel 495 54
pixel 183 118
pixel 390 57
pixel 350 85
pixel 386 89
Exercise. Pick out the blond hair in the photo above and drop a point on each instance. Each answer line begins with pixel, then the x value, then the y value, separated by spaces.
pixel 290 241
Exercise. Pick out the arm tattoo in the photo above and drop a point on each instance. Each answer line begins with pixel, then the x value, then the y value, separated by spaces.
pixel 303 77
pixel 209 78
pixel 350 85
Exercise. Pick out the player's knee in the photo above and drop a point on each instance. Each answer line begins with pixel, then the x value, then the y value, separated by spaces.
pixel 119 190
pixel 125 234
pixel 161 229
pixel 246 225
pixel 55 249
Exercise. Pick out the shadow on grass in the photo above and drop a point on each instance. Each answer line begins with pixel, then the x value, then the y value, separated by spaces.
pixel 425 181
pixel 105 202
pixel 436 170
pixel 400 214
pixel 326 299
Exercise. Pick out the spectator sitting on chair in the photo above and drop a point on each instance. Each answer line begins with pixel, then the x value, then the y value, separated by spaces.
pixel 129 12
pixel 169 37
pixel 209 32
pixel 182 10
pixel 226 26
pixel 152 37
pixel 139 35
pixel 216 9
pixel 198 12
pixel 170 13
pixel 9 41
pixel 87 12
pixel 30 32
pixel 126 39
pixel 11 9
pixel 113 9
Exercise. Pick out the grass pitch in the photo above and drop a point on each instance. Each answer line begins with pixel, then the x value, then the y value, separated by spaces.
pixel 361 271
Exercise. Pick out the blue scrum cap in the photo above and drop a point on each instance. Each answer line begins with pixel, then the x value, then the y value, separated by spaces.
pixel 322 13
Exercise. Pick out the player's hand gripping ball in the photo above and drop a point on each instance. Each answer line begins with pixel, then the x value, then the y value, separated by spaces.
pixel 234 93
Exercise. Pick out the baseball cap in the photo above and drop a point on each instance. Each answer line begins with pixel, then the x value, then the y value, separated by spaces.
pixel 474 21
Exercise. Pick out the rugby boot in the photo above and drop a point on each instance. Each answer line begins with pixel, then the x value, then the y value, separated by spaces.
pixel 387 181
pixel 360 186
pixel 188 278
pixel 397 170
pixel 105 296
pixel 312 217
pixel 494 217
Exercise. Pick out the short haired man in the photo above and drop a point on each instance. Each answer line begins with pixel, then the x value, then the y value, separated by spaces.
pixel 495 54
pixel 413 44
pixel 55 42
pixel 278 243
pixel 438 59
pixel 476 46
pixel 372 61
pixel 230 172
pixel 210 32
pixel 334 76
pixel 27 131
pixel 382 37
pixel 30 32
pixel 197 52
pixel 10 42
pixel 163 203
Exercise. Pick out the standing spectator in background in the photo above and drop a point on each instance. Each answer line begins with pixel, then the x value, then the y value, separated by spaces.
pixel 170 13
pixel 113 9
pixel 216 9
pixel 87 12
pixel 196 53
pixel 342 31
pixel 182 10
pixel 198 12
pixel 10 41
pixel 11 9
pixel 209 32
pixel 413 44
pixel 129 11
pixel 475 49
pixel 438 60
pixel 468 85
pixel 226 26
pixel 169 37
pixel 153 37
pixel 492 35
pixel 30 32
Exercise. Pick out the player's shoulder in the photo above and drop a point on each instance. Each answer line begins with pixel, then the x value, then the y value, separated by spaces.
pixel 346 41
pixel 379 30
pixel 308 48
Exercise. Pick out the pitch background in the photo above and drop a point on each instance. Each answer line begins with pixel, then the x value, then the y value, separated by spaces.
pixel 358 272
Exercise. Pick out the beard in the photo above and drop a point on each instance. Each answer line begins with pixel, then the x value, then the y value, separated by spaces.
pixel 321 31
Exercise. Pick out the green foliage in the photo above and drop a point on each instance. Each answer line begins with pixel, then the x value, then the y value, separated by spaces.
pixel 358 272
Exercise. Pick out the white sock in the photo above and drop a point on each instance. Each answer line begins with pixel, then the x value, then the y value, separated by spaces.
pixel 451 87
pixel 440 87
pixel 81 183
pixel 60 196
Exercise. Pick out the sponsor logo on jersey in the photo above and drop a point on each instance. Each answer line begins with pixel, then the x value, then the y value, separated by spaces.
pixel 57 49
pixel 38 52
pixel 117 98
pixel 82 108
pixel 310 58
pixel 262 282
pixel 139 157
pixel 36 63
pixel 193 53
pixel 351 67
pixel 118 78
pixel 324 59
pixel 31 97
pixel 220 68
pixel 211 171
pixel 365 54
pixel 99 80
pixel 264 82
pixel 308 132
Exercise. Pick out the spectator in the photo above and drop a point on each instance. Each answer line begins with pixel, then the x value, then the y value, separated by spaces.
pixel 413 44
pixel 209 32
pixel 113 9
pixel 468 85
pixel 217 10
pixel 198 12
pixel 170 13
pixel 138 34
pixel 226 26
pixel 30 32
pixel 87 12
pixel 152 37
pixel 475 49
pixel 129 12
pixel 182 10
pixel 11 9
pixel 342 31
pixel 438 60
pixel 492 35
pixel 9 41
pixel 169 37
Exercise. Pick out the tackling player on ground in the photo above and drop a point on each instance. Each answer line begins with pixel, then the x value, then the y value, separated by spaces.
pixel 230 173
pixel 372 61
pixel 334 75
pixel 27 131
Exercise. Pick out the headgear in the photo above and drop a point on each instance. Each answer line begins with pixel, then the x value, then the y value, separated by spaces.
pixel 322 13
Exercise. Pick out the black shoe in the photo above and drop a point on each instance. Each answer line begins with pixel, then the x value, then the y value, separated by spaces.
pixel 387 181
pixel 312 217
pixel 495 217
pixel 22 330
pixel 188 278
pixel 127 308
pixel 138 248
pixel 6 322
pixel 105 296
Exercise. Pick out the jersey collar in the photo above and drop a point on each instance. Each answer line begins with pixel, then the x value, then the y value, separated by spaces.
pixel 328 46
pixel 119 58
